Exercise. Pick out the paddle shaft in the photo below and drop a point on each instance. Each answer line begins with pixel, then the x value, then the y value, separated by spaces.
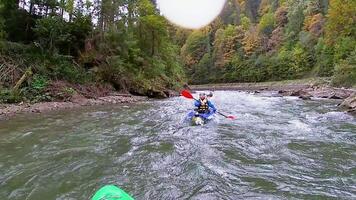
pixel 188 95
pixel 222 114
pixel 217 112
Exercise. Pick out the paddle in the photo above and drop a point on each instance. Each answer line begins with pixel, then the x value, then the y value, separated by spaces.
pixel 187 94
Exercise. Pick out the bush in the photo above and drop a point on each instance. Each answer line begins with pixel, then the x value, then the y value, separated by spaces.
pixel 343 48
pixel 324 59
pixel 345 72
pixel 301 61
pixel 39 82
pixel 2 27
pixel 36 90
pixel 8 96
pixel 267 23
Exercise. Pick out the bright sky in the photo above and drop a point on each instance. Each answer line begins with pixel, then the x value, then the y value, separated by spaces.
pixel 192 14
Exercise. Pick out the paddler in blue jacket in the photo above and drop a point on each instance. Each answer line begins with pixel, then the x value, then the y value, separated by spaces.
pixel 203 105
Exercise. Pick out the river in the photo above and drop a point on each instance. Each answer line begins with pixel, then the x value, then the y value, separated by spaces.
pixel 277 148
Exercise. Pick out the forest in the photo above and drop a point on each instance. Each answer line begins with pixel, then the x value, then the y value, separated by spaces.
pixel 50 49
pixel 264 40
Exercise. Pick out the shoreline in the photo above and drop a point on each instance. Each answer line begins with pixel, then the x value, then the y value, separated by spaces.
pixel 303 88
pixel 10 110
pixel 302 91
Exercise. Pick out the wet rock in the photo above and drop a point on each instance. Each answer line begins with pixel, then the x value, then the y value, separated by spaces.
pixel 301 94
pixel 156 94
pixel 171 93
pixel 80 99
pixel 334 97
pixel 305 97
pixel 254 92
pixel 349 103
pixel 36 110
pixel 297 93
pixel 284 93
pixel 330 93
pixel 352 111
pixel 13 109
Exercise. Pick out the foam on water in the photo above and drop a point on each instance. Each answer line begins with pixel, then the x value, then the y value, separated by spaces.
pixel 278 147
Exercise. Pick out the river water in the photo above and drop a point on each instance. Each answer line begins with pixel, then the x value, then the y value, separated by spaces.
pixel 277 148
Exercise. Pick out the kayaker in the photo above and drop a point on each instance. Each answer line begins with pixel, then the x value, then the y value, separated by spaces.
pixel 203 104
pixel 210 95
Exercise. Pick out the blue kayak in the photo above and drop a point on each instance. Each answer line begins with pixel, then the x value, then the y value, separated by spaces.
pixel 200 118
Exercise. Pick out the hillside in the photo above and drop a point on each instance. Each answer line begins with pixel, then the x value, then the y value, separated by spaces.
pixel 264 40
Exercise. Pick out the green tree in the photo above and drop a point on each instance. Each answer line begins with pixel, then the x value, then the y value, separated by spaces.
pixel 195 47
pixel 295 19
pixel 267 24
pixel 227 43
pixel 341 20
pixel 2 29
pixel 345 72
pixel 245 22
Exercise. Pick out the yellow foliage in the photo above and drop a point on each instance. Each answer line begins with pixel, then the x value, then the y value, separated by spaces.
pixel 341 19
pixel 314 24
pixel 252 41
pixel 226 43
pixel 264 7
pixel 195 47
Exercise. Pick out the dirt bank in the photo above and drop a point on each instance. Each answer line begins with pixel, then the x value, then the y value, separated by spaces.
pixel 9 110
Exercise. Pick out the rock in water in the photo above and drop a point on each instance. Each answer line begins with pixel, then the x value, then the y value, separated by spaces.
pixel 350 103
pixel 301 94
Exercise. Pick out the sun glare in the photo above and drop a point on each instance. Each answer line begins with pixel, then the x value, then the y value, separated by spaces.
pixel 192 14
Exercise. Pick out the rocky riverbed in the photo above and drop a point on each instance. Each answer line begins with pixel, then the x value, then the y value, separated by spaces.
pixel 9 110
pixel 303 89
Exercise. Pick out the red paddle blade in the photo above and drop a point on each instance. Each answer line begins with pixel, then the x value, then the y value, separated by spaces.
pixel 186 94
pixel 231 117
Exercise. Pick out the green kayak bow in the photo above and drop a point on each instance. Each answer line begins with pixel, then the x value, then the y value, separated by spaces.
pixel 111 192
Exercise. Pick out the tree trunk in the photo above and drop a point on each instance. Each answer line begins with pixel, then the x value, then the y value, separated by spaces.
pixel 22 79
pixel 153 43
pixel 31 7
pixel 46 11
pixel 62 12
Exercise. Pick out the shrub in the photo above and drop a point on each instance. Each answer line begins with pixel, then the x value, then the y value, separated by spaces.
pixel 8 96
pixel 267 23
pixel 345 72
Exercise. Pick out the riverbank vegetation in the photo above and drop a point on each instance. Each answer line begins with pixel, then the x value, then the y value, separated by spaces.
pixel 50 49
pixel 266 40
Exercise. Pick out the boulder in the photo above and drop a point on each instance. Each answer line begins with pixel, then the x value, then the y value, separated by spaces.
pixel 171 93
pixel 305 97
pixel 284 93
pixel 331 93
pixel 352 111
pixel 301 94
pixel 78 98
pixel 350 103
pixel 152 93
pixel 334 96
